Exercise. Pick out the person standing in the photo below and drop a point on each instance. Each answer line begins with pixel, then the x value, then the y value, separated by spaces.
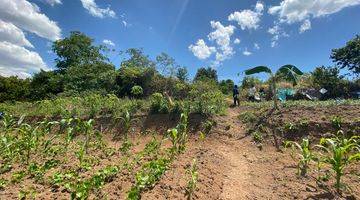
pixel 236 95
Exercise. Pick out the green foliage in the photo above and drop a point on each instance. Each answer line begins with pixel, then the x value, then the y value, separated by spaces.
pixel 250 81
pixel 348 56
pixel 77 50
pixel 330 79
pixel 206 98
pixel 99 76
pixel 178 135
pixel 287 72
pixel 226 86
pixel 257 137
pixel 46 84
pixel 159 104
pixel 130 76
pixel 339 153
pixel 137 91
pixel 206 74
pixel 137 59
pixel 247 117
pixel 192 183
pixel 14 89
pixel 182 74
pixel 336 122
pixel 305 156
pixel 149 174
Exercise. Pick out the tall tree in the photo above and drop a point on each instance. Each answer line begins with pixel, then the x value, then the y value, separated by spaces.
pixel 137 58
pixel 46 84
pixel 348 56
pixel 166 64
pixel 206 74
pixel 182 74
pixel 13 88
pixel 77 49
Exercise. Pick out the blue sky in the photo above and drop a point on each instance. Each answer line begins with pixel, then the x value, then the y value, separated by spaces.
pixel 197 33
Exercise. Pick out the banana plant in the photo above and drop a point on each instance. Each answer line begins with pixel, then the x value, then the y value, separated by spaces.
pixel 339 153
pixel 289 72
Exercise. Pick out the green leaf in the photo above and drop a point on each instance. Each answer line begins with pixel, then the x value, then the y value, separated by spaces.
pixel 258 69
pixel 290 72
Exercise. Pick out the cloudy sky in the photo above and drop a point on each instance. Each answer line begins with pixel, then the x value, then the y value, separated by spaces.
pixel 229 35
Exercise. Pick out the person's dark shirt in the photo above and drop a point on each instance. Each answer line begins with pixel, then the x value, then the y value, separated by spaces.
pixel 235 92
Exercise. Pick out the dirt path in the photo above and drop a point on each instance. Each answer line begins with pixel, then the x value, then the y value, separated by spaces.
pixel 231 167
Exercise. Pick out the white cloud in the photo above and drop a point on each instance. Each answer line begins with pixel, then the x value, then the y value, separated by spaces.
pixel 16 60
pixel 124 23
pixel 94 10
pixel 53 2
pixel 256 46
pixel 201 50
pixel 291 11
pixel 305 26
pixel 109 42
pixel 277 33
pixel 27 16
pixel 246 53
pixel 221 35
pixel 237 41
pixel 259 7
pixel 10 33
pixel 248 19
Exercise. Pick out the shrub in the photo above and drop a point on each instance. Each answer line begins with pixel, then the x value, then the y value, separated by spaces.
pixel 137 91
pixel 159 104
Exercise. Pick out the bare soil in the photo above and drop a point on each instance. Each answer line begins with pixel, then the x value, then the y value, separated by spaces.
pixel 230 164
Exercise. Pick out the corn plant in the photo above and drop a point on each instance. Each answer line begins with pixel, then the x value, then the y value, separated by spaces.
pixel 305 156
pixel 339 153
pixel 192 183
pixel 127 121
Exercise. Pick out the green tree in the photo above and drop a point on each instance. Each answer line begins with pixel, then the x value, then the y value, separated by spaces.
pixel 128 77
pixel 348 56
pixel 226 86
pixel 14 89
pixel 90 77
pixel 77 49
pixel 46 84
pixel 182 74
pixel 206 74
pixel 137 58
pixel 289 72
pixel 166 64
pixel 250 81
pixel 330 79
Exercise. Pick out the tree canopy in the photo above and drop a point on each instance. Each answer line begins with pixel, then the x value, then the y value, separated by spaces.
pixel 348 56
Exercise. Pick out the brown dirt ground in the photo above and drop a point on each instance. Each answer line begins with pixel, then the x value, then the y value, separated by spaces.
pixel 230 166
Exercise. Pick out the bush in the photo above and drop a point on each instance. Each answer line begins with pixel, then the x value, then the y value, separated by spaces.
pixel 159 104
pixel 137 91
pixel 206 98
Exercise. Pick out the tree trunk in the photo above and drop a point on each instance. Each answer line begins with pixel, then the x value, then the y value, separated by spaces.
pixel 274 92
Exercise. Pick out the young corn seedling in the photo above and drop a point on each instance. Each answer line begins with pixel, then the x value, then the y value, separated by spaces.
pixel 339 153
pixel 127 121
pixel 305 156
pixel 192 183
